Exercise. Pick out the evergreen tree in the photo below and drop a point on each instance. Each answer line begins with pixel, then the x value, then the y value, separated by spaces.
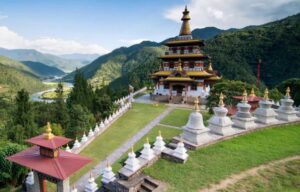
pixel 61 111
pixel 22 126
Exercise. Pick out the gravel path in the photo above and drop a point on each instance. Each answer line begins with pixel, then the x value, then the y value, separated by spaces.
pixel 114 156
pixel 251 172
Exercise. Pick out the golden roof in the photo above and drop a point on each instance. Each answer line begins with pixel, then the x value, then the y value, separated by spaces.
pixel 178 79
pixel 189 73
pixel 188 55
pixel 188 41
pixel 214 78
pixel 185 27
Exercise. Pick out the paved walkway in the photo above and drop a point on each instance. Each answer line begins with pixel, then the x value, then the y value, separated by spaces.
pixel 113 157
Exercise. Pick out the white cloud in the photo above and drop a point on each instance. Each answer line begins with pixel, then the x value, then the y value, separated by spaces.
pixel 129 42
pixel 12 40
pixel 234 13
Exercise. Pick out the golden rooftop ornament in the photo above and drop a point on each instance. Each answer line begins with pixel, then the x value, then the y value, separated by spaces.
pixel 179 68
pixel 185 27
pixel 221 100
pixel 159 133
pixel 209 68
pixel 287 92
pixel 245 96
pixel 147 140
pixel 196 102
pixel 252 93
pixel 266 94
pixel 48 134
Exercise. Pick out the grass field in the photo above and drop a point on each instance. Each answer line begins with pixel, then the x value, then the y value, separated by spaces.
pixel 282 177
pixel 120 131
pixel 216 162
pixel 179 117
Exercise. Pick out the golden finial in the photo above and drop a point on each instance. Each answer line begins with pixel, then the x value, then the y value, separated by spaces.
pixel 245 96
pixel 221 100
pixel 196 102
pixel 48 134
pixel 287 92
pixel 179 68
pixel 185 27
pixel 252 93
pixel 91 175
pixel 209 68
pixel 132 151
pixel 266 94
pixel 107 163
pixel 147 140
pixel 159 133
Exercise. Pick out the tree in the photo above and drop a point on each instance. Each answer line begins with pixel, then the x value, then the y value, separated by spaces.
pixel 275 95
pixel 81 120
pixel 11 173
pixel 61 111
pixel 22 125
pixel 229 89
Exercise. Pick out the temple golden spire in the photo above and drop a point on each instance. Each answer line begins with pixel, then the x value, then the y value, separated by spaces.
pixel 287 92
pixel 196 102
pixel 245 96
pixel 221 100
pixel 266 94
pixel 185 27
pixel 252 93
pixel 179 68
pixel 209 67
pixel 48 134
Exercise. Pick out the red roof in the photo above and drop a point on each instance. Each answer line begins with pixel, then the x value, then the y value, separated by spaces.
pixel 60 167
pixel 53 143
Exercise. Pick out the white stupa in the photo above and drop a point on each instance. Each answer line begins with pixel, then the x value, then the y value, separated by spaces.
pixel 68 149
pixel 30 178
pixel 76 144
pixel 114 115
pixel 91 133
pixel 132 163
pixel 219 123
pixel 264 113
pixel 194 131
pixel 180 151
pixel 108 175
pixel 74 189
pixel 159 144
pixel 102 126
pixel 286 111
pixel 91 185
pixel 96 130
pixel 298 111
pixel 84 138
pixel 243 118
pixel 147 153
pixel 106 122
pixel 110 119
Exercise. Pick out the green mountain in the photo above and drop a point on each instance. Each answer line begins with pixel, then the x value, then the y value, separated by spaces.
pixel 234 54
pixel 66 65
pixel 15 76
pixel 42 70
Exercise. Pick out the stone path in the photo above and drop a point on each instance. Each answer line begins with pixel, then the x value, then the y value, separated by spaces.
pixel 251 172
pixel 114 156
pixel 169 126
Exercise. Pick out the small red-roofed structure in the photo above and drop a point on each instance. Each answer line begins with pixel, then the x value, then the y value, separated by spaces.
pixel 48 162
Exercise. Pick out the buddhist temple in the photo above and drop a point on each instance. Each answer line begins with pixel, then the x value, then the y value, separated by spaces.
pixel 48 162
pixel 185 71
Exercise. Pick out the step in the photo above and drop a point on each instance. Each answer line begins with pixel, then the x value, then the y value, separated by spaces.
pixel 146 187
pixel 153 184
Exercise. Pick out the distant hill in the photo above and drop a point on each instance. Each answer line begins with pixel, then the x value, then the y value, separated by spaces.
pixel 234 54
pixel 42 70
pixel 15 76
pixel 66 65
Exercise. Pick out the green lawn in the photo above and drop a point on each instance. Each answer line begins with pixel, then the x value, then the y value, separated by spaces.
pixel 179 117
pixel 216 162
pixel 282 177
pixel 120 131
pixel 167 133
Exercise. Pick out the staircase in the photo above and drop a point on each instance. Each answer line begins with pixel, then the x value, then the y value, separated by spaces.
pixel 148 186
pixel 176 99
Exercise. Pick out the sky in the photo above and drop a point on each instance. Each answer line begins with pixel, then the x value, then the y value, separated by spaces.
pixel 99 26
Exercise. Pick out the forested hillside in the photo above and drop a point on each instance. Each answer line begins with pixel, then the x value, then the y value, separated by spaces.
pixel 15 76
pixel 42 70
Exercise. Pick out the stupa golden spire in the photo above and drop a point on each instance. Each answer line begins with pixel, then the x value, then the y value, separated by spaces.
pixel 245 96
pixel 196 102
pixel 147 140
pixel 266 94
pixel 252 93
pixel 209 67
pixel 287 92
pixel 159 133
pixel 185 27
pixel 48 134
pixel 221 100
